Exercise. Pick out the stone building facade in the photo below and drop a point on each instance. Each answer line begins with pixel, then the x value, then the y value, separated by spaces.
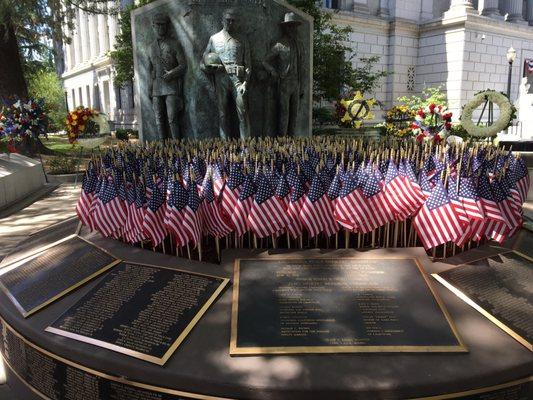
pixel 88 72
pixel 460 44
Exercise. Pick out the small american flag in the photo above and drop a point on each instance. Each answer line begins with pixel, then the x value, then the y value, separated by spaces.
pixel 88 188
pixel 178 197
pixel 267 214
pixel 399 193
pixel 191 218
pixel 296 199
pixel 436 222
pixel 376 200
pixel 240 214
pixel 153 224
pixel 317 211
pixel 230 197
pixel 214 223
pixel 350 205
pixel 109 213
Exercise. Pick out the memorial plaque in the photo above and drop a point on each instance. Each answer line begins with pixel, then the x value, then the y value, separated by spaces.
pixel 141 310
pixel 500 288
pixel 36 281
pixel 53 377
pixel 337 305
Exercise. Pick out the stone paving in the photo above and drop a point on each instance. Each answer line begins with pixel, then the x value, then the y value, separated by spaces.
pixel 53 208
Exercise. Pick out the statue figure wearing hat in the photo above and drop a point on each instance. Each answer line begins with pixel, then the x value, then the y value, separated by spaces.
pixel 166 66
pixel 227 57
pixel 284 63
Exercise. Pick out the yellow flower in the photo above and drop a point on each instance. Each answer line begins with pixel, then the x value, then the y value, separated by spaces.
pixel 82 127
pixel 85 117
pixel 74 116
pixel 74 123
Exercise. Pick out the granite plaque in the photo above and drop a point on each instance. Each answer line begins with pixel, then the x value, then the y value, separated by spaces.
pixel 500 288
pixel 53 377
pixel 141 310
pixel 36 281
pixel 337 305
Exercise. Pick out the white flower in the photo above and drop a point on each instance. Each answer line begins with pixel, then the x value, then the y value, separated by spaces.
pixel 506 110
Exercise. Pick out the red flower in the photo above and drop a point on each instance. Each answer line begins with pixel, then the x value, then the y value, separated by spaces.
pixel 421 113
pixel 448 125
pixel 11 146
pixel 432 108
pixel 437 138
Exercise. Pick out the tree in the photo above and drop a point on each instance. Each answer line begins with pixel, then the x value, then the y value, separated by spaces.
pixel 122 56
pixel 333 60
pixel 32 33
pixel 45 84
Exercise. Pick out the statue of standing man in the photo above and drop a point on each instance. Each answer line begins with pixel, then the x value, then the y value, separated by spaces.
pixel 284 63
pixel 166 66
pixel 228 57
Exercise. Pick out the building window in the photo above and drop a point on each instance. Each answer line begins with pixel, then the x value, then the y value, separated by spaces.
pixel 411 78
pixel 106 105
pixel 88 90
pixel 118 97
pixel 73 99
pixel 80 94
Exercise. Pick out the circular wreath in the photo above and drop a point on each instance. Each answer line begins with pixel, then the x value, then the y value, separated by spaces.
pixel 398 121
pixel 506 114
pixel 433 122
pixel 80 123
pixel 356 110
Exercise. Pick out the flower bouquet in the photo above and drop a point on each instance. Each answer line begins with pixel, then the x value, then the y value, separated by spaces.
pixel 398 121
pixel 84 126
pixel 22 120
pixel 433 122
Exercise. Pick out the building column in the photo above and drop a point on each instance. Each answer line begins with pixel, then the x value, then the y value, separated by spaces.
pixel 76 41
pixel 84 37
pixel 384 10
pixel 360 6
pixel 530 12
pixel 459 8
pixel 103 36
pixel 112 26
pixel 426 10
pixel 515 8
pixel 93 34
pixel 489 8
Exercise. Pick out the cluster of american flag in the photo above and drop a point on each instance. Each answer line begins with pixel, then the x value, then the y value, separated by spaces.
pixel 299 192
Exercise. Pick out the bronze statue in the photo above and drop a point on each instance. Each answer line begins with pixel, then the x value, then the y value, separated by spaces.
pixel 167 67
pixel 284 63
pixel 227 56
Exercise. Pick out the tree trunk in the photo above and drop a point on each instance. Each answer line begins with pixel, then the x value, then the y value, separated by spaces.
pixel 12 80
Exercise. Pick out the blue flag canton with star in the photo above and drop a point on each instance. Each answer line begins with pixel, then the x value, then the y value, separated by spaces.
pixel 140 196
pixel 179 196
pixel 207 189
pixel 392 172
pixel 371 186
pixel 282 189
pixel 236 177
pixel 350 184
pixel 467 189
pixel 193 198
pixel 248 188
pixel 438 198
pixel 484 188
pixel 108 191
pixel 335 187
pixel 90 180
pixel 317 190
pixel 157 199
pixel 264 189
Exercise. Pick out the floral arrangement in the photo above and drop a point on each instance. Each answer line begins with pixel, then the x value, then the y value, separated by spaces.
pixel 352 111
pixel 23 119
pixel 80 123
pixel 507 114
pixel 398 121
pixel 433 122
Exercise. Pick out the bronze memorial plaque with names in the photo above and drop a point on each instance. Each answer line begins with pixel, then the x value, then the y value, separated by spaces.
pixel 319 305
pixel 43 277
pixel 140 310
pixel 499 287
